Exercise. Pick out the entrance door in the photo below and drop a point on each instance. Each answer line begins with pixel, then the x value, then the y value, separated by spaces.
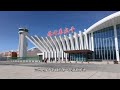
pixel 77 57
pixel 40 57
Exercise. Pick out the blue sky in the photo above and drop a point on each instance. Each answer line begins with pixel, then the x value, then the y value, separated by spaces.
pixel 40 22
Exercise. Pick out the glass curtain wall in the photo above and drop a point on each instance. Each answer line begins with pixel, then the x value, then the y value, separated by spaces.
pixel 77 57
pixel 104 44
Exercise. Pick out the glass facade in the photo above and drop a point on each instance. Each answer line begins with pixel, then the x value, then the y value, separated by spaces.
pixel 77 57
pixel 104 44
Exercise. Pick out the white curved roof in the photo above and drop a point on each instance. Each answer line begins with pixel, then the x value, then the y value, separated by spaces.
pixel 112 16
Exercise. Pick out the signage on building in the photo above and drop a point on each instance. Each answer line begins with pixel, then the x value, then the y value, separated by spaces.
pixel 61 31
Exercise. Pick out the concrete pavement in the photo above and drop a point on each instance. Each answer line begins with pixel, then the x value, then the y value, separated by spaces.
pixel 94 70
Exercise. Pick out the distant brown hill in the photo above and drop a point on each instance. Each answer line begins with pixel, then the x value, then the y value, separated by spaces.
pixel 33 52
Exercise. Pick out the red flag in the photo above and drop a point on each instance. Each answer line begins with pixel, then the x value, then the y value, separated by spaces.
pixel 60 31
pixel 49 33
pixel 66 31
pixel 55 32
pixel 72 29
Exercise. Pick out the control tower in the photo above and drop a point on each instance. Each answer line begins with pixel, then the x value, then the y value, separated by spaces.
pixel 22 48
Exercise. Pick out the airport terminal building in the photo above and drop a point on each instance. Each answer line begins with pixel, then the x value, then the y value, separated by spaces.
pixel 101 41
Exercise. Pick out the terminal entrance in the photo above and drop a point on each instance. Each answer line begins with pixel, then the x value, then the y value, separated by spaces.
pixel 79 55
pixel 40 57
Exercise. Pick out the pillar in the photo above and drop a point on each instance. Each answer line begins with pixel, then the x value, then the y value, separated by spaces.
pixel 116 43
pixel 62 55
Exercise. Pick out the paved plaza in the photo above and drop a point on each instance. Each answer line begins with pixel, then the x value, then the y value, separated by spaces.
pixel 32 70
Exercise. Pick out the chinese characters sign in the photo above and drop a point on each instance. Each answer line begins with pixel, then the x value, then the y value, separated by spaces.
pixel 60 31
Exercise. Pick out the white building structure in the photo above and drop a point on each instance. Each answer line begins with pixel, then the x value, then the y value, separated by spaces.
pixel 102 39
pixel 22 48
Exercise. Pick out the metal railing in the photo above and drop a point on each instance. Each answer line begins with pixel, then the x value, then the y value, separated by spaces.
pixel 3 58
pixel 36 59
pixel 23 58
